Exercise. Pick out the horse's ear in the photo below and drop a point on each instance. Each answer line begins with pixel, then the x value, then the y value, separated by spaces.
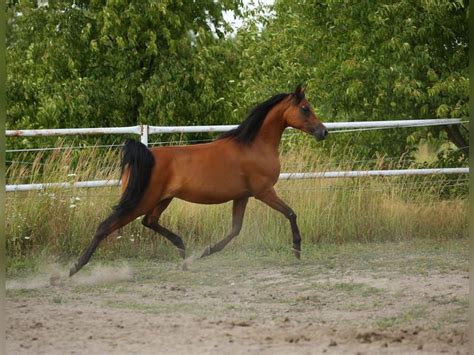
pixel 299 93
pixel 299 90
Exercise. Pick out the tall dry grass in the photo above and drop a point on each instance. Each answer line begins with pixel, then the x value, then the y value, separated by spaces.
pixel 61 222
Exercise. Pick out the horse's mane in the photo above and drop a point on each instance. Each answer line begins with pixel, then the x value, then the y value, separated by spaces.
pixel 246 132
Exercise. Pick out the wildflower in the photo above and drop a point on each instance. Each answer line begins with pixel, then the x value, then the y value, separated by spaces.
pixel 132 239
pixel 71 175
pixel 119 236
pixel 73 200
pixel 72 206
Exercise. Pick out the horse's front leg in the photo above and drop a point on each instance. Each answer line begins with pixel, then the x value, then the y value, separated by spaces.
pixel 270 198
pixel 238 210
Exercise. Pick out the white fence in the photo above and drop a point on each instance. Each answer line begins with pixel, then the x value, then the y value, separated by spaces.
pixel 283 176
pixel 144 131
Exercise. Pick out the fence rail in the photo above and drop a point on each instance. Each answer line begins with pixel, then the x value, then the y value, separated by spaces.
pixel 145 130
pixel 283 176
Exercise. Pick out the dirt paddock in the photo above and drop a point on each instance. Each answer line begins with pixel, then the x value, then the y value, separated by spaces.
pixel 390 298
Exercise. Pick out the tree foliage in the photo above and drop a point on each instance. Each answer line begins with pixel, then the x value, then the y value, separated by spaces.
pixel 106 63
pixel 366 60
pixel 117 62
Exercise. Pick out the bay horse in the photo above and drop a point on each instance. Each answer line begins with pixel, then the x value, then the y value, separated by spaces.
pixel 241 163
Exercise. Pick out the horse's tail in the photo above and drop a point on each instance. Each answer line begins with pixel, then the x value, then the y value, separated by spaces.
pixel 139 162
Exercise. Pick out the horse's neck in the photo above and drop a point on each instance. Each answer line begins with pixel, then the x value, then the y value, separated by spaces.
pixel 270 133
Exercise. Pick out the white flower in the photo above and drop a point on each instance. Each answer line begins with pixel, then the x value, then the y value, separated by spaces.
pixel 132 239
pixel 72 206
pixel 119 236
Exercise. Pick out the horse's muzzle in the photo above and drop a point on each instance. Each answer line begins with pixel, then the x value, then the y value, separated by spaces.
pixel 320 133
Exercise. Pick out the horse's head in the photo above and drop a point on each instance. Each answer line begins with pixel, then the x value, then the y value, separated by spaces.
pixel 299 115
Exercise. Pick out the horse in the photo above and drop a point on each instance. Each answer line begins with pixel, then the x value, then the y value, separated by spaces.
pixel 241 163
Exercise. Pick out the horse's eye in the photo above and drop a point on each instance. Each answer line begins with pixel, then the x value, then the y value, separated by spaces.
pixel 305 108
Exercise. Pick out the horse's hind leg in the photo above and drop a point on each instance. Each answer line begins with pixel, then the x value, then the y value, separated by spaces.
pixel 109 225
pixel 151 221
pixel 238 211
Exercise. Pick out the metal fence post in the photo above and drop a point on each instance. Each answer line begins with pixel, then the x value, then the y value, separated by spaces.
pixel 144 134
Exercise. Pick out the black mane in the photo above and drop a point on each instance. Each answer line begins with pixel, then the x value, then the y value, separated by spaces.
pixel 246 132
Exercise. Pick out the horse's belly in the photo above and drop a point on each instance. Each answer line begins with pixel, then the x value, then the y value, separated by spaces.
pixel 206 196
pixel 206 200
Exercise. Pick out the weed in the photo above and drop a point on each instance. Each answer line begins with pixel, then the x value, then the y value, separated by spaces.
pixel 61 222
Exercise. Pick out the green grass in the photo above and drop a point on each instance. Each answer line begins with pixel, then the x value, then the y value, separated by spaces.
pixel 60 223
pixel 409 316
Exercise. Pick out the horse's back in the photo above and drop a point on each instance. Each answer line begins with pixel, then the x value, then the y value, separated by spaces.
pixel 203 173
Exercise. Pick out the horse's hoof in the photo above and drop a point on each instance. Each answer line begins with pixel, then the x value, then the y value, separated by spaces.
pixel 73 270
pixel 297 254
pixel 206 252
pixel 182 253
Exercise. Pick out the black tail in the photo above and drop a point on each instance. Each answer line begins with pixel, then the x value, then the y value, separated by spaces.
pixel 140 161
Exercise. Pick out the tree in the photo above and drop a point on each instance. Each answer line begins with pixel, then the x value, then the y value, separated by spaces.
pixel 105 63
pixel 117 62
pixel 367 60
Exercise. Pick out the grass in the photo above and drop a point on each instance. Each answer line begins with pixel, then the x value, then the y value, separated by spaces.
pixel 410 315
pixel 60 223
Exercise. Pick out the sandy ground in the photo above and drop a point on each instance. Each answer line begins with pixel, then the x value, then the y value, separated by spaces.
pixel 372 299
